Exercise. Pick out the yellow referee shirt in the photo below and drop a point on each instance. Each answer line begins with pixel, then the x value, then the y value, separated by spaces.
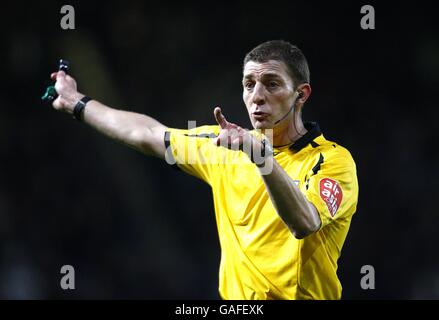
pixel 260 257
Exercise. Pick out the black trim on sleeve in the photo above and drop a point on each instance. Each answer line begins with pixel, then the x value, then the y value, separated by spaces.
pixel 168 150
pixel 316 168
pixel 167 140
pixel 202 135
pixel 314 144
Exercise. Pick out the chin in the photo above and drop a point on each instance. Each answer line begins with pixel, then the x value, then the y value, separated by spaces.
pixel 262 125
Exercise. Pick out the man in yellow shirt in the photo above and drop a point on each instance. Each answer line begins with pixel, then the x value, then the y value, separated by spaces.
pixel 284 196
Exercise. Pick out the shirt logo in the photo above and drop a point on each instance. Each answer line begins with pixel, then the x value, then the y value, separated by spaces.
pixel 332 194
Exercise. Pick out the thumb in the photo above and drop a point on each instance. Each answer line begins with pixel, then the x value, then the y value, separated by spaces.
pixel 219 117
pixel 60 75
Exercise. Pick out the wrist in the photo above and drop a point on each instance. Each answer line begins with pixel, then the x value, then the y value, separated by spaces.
pixel 72 101
pixel 260 151
pixel 78 110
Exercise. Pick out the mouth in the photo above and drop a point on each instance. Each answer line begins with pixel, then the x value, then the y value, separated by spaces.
pixel 259 115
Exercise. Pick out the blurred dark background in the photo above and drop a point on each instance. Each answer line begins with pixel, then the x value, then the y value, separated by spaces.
pixel 134 228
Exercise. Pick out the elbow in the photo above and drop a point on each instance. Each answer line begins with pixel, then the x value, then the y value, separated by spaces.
pixel 311 224
pixel 299 235
pixel 139 139
pixel 309 229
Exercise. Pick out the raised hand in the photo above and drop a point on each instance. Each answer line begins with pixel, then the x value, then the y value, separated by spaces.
pixel 231 135
pixel 66 88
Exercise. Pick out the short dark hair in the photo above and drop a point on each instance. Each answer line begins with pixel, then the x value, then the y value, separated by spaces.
pixel 284 51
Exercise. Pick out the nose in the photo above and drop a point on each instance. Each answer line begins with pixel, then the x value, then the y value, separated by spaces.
pixel 258 94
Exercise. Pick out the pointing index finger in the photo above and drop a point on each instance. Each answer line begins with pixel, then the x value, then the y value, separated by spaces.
pixel 219 117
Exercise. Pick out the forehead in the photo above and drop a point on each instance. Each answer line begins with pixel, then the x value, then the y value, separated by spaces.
pixel 254 69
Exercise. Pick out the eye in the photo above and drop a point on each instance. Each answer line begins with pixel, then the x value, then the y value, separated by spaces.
pixel 249 85
pixel 273 84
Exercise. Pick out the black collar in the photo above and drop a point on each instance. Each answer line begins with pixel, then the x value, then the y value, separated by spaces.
pixel 313 132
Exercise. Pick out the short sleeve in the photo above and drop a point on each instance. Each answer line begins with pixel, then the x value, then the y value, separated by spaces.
pixel 332 186
pixel 192 150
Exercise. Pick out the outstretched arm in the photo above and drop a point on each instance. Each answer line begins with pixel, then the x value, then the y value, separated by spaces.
pixel 138 131
pixel 294 209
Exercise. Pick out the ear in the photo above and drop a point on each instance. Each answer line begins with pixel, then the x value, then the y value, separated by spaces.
pixel 305 89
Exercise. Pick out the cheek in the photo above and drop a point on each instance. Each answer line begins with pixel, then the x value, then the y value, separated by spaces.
pixel 282 99
pixel 245 98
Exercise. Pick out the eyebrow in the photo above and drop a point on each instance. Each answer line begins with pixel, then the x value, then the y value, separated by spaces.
pixel 265 75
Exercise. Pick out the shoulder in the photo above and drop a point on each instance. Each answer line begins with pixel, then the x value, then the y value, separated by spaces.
pixel 333 152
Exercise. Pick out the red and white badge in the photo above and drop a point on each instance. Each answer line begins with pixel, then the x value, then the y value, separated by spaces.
pixel 332 194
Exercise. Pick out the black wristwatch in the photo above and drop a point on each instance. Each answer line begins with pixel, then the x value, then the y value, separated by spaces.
pixel 267 151
pixel 79 108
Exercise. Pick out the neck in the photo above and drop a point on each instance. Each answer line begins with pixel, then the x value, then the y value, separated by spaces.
pixel 289 131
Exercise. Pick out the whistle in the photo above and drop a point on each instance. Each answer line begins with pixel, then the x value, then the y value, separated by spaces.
pixel 51 93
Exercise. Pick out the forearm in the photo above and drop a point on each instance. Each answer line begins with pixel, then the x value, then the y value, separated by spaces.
pixel 130 128
pixel 138 131
pixel 295 210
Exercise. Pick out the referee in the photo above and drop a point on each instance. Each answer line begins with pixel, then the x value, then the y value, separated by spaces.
pixel 284 196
